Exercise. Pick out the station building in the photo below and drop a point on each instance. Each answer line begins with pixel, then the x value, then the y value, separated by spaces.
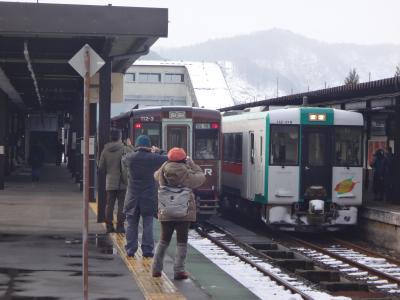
pixel 170 83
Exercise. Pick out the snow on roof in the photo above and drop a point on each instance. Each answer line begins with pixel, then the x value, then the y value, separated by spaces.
pixel 210 88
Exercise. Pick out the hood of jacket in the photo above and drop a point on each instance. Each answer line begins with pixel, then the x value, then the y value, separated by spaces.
pixel 175 173
pixel 113 146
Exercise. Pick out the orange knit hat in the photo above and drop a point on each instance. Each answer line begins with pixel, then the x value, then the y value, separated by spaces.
pixel 176 154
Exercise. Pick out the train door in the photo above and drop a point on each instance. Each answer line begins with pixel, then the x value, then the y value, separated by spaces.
pixel 316 160
pixel 177 135
pixel 252 169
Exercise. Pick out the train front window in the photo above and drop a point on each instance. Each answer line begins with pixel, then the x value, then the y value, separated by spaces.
pixel 152 130
pixel 348 143
pixel 206 143
pixel 177 136
pixel 284 145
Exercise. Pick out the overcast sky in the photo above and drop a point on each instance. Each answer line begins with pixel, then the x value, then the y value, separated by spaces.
pixel 194 21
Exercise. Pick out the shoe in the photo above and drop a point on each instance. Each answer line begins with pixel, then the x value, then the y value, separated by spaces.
pixel 156 274
pixel 148 255
pixel 130 255
pixel 181 275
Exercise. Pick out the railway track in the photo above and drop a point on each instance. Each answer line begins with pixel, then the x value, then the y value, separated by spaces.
pixel 335 267
pixel 377 270
pixel 237 249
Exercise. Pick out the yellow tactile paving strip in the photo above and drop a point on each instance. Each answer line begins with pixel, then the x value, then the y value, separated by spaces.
pixel 152 288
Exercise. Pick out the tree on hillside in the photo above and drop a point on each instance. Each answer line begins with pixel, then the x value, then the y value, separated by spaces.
pixel 352 78
pixel 397 73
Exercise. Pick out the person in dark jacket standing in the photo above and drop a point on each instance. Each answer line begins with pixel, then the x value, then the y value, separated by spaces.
pixel 183 172
pixel 36 160
pixel 379 165
pixel 110 163
pixel 141 198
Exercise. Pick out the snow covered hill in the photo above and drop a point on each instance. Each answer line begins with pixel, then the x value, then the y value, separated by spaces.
pixel 278 62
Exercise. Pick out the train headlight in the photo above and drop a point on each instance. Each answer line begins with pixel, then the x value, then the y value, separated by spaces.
pixel 317 117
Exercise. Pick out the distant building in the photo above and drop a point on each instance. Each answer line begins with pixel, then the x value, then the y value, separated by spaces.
pixel 161 83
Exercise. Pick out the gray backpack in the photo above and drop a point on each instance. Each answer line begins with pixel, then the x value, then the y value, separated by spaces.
pixel 173 202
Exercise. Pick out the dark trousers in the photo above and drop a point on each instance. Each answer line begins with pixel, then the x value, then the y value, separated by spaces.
pixel 181 228
pixel 112 196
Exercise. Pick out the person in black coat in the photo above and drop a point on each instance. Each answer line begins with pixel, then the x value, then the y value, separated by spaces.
pixel 36 159
pixel 141 194
pixel 59 152
pixel 379 165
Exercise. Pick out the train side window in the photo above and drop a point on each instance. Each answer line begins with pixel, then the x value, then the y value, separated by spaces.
pixel 284 145
pixel 252 147
pixel 232 147
pixel 238 147
pixel 228 147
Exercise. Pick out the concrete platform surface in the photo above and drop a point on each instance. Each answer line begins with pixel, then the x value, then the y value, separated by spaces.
pixel 379 223
pixel 40 243
pixel 41 251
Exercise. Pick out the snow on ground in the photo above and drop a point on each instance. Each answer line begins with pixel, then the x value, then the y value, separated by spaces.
pixel 259 284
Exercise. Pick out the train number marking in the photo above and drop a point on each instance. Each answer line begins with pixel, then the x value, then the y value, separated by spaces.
pixel 284 122
pixel 147 118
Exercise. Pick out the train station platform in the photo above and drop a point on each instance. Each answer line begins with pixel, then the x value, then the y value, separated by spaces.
pixel 41 251
pixel 380 224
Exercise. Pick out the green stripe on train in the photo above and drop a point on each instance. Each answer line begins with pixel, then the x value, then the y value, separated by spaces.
pixel 259 198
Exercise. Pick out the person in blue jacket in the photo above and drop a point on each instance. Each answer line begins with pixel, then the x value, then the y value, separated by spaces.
pixel 141 194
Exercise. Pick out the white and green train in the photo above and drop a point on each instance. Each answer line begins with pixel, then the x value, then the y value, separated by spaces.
pixel 295 168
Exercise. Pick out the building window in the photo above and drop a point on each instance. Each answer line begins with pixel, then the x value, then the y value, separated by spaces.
pixel 149 77
pixel 174 78
pixel 130 77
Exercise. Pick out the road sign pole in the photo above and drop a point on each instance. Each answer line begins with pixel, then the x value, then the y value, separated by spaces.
pixel 86 62
pixel 86 132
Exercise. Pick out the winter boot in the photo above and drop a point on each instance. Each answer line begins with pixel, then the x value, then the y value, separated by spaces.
pixel 158 260
pixel 179 265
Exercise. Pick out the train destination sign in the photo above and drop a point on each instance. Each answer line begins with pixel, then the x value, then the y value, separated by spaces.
pixel 177 114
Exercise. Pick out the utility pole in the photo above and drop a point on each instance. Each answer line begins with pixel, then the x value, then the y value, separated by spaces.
pixel 277 86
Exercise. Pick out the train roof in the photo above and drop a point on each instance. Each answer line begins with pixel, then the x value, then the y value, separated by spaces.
pixel 212 113
pixel 294 114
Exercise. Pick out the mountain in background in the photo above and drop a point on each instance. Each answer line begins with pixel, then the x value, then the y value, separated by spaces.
pixel 255 65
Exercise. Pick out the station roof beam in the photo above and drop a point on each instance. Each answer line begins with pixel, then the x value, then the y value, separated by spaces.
pixel 38 39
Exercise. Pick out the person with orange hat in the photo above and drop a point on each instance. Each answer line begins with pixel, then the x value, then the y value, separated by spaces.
pixel 178 171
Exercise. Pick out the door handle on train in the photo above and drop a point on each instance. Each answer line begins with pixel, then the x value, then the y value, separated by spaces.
pixel 306 168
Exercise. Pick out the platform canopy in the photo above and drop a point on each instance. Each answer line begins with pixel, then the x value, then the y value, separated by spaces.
pixel 37 40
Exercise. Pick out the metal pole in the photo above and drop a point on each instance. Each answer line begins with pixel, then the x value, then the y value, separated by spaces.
pixel 86 126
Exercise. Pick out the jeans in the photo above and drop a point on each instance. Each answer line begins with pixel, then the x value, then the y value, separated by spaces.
pixel 111 197
pixel 132 232
pixel 168 228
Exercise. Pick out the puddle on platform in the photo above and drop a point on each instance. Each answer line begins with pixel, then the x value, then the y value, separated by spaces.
pixel 12 277
pixel 92 274
pixel 8 238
